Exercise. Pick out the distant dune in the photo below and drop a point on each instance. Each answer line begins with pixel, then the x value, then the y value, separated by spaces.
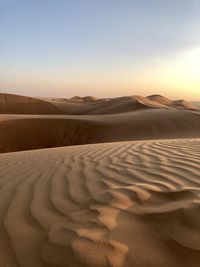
pixel 93 106
pixel 197 104
pixel 14 104
pixel 90 105
pixel 124 204
pixel 93 120
pixel 178 104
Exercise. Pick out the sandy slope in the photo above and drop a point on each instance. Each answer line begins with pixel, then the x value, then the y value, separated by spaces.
pixel 179 104
pixel 22 132
pixel 16 104
pixel 32 123
pixel 131 204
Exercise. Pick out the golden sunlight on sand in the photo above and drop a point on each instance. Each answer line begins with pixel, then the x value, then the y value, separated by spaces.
pixel 113 204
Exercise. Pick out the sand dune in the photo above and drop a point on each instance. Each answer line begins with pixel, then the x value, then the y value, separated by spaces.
pixel 22 132
pixel 15 104
pixel 123 204
pixel 179 104
pixel 196 103
pixel 93 106
pixel 119 204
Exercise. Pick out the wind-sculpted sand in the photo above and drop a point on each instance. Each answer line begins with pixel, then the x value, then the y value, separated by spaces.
pixel 23 132
pixel 130 204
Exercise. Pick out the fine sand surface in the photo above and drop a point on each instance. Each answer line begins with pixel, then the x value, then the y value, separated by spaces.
pixel 23 132
pixel 122 204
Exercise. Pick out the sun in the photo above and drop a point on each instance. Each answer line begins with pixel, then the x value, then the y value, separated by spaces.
pixel 180 72
pixel 189 64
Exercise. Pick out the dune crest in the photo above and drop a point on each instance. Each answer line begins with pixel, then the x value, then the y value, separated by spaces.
pixel 16 104
pixel 178 104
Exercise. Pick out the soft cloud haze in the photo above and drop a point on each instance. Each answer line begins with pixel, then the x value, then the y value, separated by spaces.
pixel 100 47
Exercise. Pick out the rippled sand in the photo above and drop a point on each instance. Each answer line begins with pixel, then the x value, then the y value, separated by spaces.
pixel 131 204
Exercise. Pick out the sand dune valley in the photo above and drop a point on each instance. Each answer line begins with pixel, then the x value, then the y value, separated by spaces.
pixel 88 182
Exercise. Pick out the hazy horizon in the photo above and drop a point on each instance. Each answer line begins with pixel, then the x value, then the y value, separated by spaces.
pixel 100 48
pixel 197 101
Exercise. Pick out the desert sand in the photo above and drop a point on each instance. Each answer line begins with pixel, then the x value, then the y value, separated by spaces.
pixel 117 184
pixel 84 120
pixel 116 204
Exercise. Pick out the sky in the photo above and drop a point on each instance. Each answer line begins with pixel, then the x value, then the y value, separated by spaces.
pixel 104 48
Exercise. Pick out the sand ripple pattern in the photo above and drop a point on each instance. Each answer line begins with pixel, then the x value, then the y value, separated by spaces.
pixel 104 205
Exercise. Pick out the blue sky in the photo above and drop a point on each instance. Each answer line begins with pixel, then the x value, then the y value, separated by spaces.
pixel 100 47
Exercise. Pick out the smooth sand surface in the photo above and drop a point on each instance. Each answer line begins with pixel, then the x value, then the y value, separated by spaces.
pixel 16 104
pixel 23 132
pixel 130 204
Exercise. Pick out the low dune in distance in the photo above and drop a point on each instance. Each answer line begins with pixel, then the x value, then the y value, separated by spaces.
pixel 93 120
pixel 119 204
pixel 15 104
pixel 196 103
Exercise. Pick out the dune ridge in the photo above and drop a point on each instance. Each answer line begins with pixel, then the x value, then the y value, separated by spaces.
pixel 16 104
pixel 178 104
pixel 95 106
pixel 123 204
